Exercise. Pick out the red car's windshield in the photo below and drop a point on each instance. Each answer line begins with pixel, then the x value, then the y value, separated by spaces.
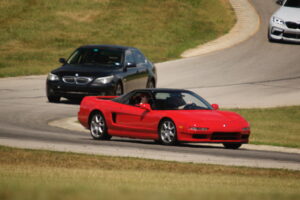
pixel 165 100
pixel 179 101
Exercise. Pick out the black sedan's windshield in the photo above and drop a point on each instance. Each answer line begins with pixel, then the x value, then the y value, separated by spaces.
pixel 292 3
pixel 97 56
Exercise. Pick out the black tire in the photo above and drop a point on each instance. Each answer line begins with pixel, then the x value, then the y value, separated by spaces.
pixel 167 132
pixel 232 145
pixel 150 84
pixel 157 141
pixel 53 99
pixel 118 90
pixel 98 128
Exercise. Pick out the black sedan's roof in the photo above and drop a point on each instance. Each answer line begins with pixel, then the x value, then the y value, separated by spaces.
pixel 106 46
pixel 161 90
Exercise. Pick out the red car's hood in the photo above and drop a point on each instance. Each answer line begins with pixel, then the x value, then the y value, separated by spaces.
pixel 209 118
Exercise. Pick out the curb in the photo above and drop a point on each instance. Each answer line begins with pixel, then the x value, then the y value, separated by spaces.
pixel 248 22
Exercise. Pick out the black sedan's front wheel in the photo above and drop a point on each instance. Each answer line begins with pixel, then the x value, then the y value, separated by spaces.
pixel 52 97
pixel 118 90
pixel 150 84
pixel 98 127
pixel 167 132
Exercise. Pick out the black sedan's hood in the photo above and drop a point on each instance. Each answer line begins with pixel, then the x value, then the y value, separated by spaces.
pixel 86 70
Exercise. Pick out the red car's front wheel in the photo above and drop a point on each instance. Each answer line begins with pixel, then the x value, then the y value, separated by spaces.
pixel 167 132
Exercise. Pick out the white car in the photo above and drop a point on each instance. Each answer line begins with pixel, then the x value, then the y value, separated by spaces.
pixel 285 22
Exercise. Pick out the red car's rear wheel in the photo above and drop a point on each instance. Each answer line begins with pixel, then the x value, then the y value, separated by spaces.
pixel 98 127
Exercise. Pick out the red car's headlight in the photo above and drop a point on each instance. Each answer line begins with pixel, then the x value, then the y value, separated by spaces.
pixel 246 130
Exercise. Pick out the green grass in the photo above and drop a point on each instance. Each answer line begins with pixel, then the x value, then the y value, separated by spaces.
pixel 274 126
pixel 28 174
pixel 34 34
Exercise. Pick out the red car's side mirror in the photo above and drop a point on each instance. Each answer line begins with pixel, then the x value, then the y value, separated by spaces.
pixel 215 106
pixel 145 106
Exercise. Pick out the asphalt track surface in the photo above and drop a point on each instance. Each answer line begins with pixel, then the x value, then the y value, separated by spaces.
pixel 252 73
pixel 255 73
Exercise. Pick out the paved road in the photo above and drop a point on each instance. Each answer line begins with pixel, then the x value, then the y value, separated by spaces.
pixel 253 72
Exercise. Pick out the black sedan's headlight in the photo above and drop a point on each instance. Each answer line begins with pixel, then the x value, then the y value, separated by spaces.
pixel 103 80
pixel 52 77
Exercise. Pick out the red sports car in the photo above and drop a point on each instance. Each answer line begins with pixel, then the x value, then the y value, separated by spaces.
pixel 167 116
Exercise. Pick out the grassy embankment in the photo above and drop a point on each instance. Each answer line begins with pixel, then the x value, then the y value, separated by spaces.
pixel 27 174
pixel 34 34
pixel 274 126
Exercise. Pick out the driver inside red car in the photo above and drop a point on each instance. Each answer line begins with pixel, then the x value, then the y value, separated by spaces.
pixel 144 99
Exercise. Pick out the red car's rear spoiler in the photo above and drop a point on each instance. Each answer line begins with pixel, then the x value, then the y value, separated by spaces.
pixel 106 97
pixel 93 98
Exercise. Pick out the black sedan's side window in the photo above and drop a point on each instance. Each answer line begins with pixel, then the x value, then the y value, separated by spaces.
pixel 75 57
pixel 129 58
pixel 139 57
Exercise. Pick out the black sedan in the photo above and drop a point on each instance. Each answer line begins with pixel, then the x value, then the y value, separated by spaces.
pixel 100 70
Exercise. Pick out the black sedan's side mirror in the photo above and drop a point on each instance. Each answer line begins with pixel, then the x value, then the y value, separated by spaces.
pixel 62 61
pixel 279 2
pixel 130 65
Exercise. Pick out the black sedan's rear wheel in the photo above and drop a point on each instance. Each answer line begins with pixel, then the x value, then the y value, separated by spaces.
pixel 98 127
pixel 167 132
pixel 232 145
pixel 150 84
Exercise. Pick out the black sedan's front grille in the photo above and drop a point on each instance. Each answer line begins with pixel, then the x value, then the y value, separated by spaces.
pixel 292 25
pixel 69 79
pixel 78 80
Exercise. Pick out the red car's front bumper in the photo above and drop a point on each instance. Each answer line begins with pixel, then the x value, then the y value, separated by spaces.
pixel 215 137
